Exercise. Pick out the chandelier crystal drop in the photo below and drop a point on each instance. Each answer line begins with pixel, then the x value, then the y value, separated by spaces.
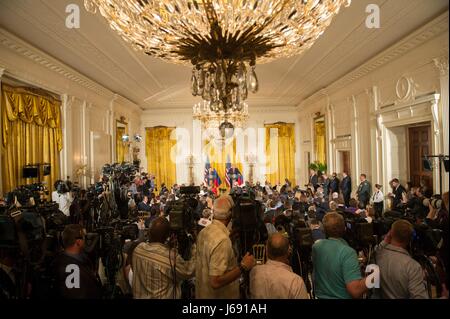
pixel 222 39
pixel 213 118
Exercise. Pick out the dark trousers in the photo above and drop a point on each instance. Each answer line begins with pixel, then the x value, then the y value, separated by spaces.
pixel 378 209
pixel 347 199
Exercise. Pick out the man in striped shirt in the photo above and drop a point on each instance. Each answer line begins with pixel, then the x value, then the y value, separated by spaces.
pixel 159 270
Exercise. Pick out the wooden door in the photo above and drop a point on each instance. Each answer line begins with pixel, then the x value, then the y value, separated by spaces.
pixel 346 167
pixel 419 146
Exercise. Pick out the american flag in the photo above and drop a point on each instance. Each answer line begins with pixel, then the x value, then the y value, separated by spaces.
pixel 227 171
pixel 207 167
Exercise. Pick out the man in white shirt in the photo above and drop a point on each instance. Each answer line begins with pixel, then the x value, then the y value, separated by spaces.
pixel 275 279
pixel 64 201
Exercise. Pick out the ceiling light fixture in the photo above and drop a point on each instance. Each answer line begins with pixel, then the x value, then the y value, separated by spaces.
pixel 222 39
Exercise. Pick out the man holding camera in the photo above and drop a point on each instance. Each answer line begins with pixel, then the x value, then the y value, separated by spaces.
pixel 217 272
pixel 275 279
pixel 401 277
pixel 336 269
pixel 158 270
pixel 75 277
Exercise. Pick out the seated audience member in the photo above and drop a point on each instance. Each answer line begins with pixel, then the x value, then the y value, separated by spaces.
pixel 316 230
pixel 73 238
pixel 153 262
pixel 217 270
pixel 336 273
pixel 401 277
pixel 275 279
pixel 144 205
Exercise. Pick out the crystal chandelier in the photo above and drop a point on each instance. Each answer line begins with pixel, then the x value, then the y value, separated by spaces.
pixel 220 126
pixel 222 39
pixel 237 116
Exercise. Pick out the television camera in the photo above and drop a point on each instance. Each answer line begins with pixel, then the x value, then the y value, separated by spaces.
pixel 182 220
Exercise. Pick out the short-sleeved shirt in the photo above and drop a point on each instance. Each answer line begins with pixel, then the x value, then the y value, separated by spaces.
pixel 335 265
pixel 276 280
pixel 215 257
pixel 401 276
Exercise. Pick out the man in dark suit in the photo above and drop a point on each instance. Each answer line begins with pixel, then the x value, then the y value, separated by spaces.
pixel 313 178
pixel 398 196
pixel 144 205
pixel 346 187
pixel 364 190
pixel 326 186
pixel 334 184
pixel 74 275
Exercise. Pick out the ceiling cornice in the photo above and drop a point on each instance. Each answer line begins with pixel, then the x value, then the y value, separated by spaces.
pixel 24 49
pixel 425 33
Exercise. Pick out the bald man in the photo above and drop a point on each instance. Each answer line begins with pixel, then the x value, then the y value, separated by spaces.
pixel 275 279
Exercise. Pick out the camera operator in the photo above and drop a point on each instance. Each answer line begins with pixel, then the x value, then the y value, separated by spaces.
pixel 275 279
pixel 8 289
pixel 401 276
pixel 415 204
pixel 158 269
pixel 89 287
pixel 336 273
pixel 217 272
pixel 438 218
pixel 63 198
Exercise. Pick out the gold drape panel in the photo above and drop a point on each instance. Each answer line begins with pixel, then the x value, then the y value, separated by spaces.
pixel 120 147
pixel 31 134
pixel 281 159
pixel 320 147
pixel 218 154
pixel 158 150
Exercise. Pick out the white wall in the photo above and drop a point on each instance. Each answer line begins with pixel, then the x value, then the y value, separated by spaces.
pixel 189 138
pixel 88 109
pixel 366 109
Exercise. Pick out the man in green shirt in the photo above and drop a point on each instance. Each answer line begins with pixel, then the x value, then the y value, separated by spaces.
pixel 336 269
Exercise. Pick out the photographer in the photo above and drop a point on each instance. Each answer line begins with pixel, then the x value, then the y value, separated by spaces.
pixel 89 287
pixel 438 218
pixel 336 269
pixel 401 276
pixel 275 279
pixel 158 269
pixel 217 272
pixel 63 198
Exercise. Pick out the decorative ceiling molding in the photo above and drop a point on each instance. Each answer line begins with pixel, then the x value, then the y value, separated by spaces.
pixel 21 48
pixel 425 33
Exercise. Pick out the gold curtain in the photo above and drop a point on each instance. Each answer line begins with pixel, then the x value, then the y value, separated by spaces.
pixel 158 150
pixel 218 154
pixel 319 142
pixel 281 156
pixel 31 134
pixel 120 147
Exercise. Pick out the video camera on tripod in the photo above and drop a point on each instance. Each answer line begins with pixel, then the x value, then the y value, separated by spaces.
pixel 182 219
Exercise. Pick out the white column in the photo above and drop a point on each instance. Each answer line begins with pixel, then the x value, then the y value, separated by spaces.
pixel 355 144
pixel 375 136
pixel 2 71
pixel 112 127
pixel 442 65
pixel 331 135
pixel 85 142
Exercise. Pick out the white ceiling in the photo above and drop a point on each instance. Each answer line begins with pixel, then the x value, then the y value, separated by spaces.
pixel 97 52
